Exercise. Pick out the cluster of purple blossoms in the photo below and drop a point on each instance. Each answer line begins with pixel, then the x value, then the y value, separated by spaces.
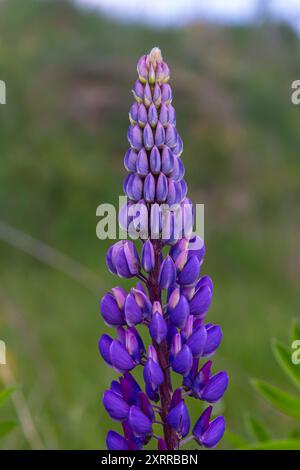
pixel 170 297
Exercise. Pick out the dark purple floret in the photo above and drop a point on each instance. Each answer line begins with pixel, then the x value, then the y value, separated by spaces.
pixel 170 300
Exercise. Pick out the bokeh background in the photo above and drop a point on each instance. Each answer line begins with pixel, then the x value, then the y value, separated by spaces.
pixel 68 71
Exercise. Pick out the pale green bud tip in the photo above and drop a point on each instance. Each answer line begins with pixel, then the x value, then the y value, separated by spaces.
pixel 154 56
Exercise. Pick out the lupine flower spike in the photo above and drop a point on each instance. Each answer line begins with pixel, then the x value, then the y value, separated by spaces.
pixel 170 298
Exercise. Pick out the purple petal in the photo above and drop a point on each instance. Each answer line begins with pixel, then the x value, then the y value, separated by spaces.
pixel 171 136
pixel 190 272
pixel 135 137
pixel 161 188
pixel 215 388
pixel 133 313
pixel 142 115
pixel 111 313
pixel 115 441
pixel 142 166
pixel 203 423
pixel 197 341
pixel 139 423
pixel 148 137
pixel 119 356
pixel 152 115
pixel 138 91
pixel 148 257
pixel 183 361
pixel 201 301
pixel 159 135
pixel 180 313
pixel 167 274
pixel 149 188
pixel 158 328
pixel 167 159
pixel 116 407
pixel 178 418
pixel 155 160
pixel 214 338
pixel 133 113
pixel 153 374
pixel 214 433
pixel 104 348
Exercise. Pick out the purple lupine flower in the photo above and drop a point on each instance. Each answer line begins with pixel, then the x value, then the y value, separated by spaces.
pixel 170 299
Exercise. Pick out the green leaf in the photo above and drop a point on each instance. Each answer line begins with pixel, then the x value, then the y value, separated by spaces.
pixel 283 355
pixel 283 401
pixel 5 394
pixel 257 429
pixel 6 427
pixel 295 330
pixel 280 444
pixel 235 440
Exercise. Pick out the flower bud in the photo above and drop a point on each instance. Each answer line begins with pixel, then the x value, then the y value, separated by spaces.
pixel 151 74
pixel 134 136
pixel 142 166
pixel 157 95
pixel 167 160
pixel 116 407
pixel 208 433
pixel 178 149
pixel 161 188
pixel 114 441
pixel 139 423
pixel 148 257
pixel 171 136
pixel 178 418
pixel 149 188
pixel 110 310
pixel 155 160
pixel 142 115
pixel 159 135
pixel 120 358
pixel 178 311
pixel 147 95
pixel 158 328
pixel 167 274
pixel 214 338
pixel 190 272
pixel 183 361
pixel 166 93
pixel 104 348
pixel 138 91
pixel 148 137
pixel 196 342
pixel 201 301
pixel 133 113
pixel 130 160
pixel 152 115
pixel 133 312
pixel 215 388
pixel 142 69
pixel 172 115
pixel 164 115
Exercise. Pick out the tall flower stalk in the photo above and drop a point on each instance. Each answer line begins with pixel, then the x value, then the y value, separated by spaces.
pixel 170 299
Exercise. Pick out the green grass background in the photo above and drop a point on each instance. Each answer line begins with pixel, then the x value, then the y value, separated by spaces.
pixel 62 140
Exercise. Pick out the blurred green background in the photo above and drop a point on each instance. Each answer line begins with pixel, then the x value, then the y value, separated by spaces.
pixel 62 139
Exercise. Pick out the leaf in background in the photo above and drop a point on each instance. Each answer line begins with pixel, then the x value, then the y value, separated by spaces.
pixel 5 394
pixel 235 440
pixel 283 401
pixel 295 330
pixel 6 427
pixel 280 444
pixel 284 358
pixel 257 429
